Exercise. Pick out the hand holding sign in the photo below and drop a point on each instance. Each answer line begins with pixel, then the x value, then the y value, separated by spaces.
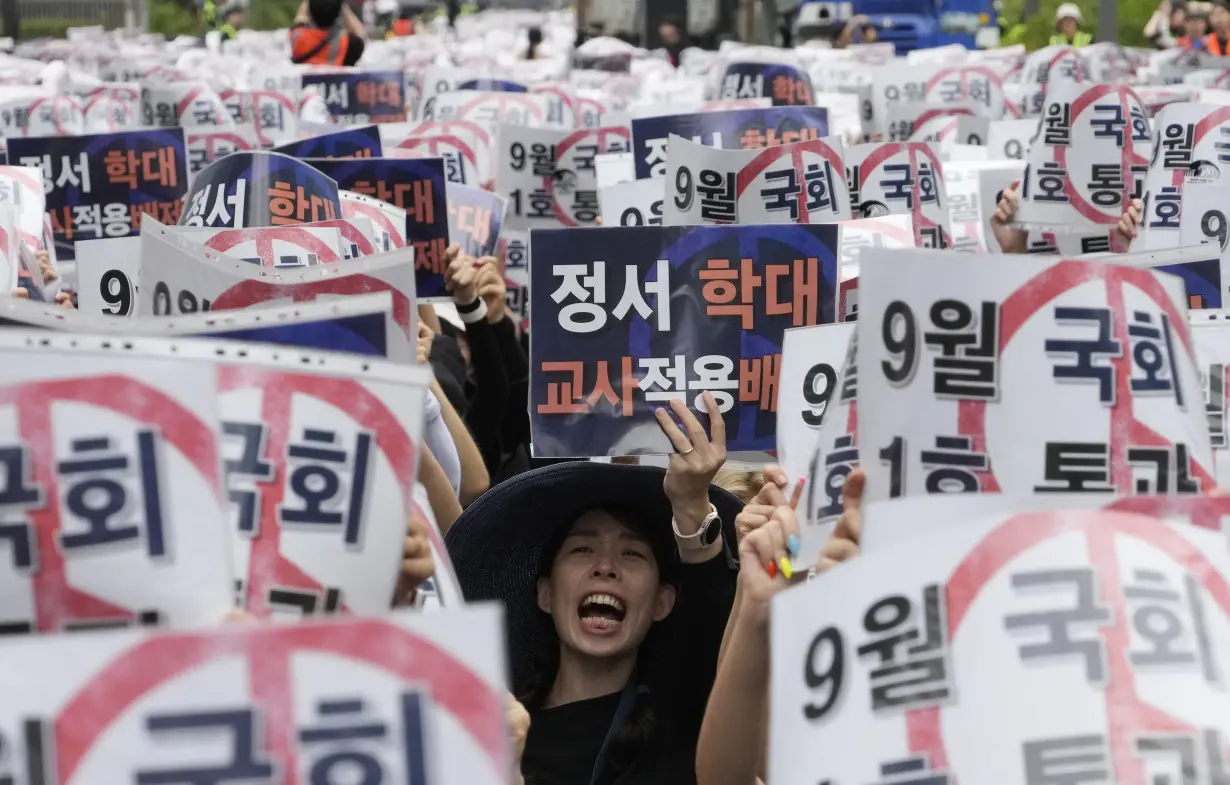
pixel 461 277
pixel 492 289
pixel 764 559
pixel 417 566
pixel 843 543
pixel 1010 238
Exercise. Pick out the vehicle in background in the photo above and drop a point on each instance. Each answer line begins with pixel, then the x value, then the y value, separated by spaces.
pixel 908 24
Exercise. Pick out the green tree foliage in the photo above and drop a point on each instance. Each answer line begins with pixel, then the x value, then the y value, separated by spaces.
pixel 171 18
pixel 1132 16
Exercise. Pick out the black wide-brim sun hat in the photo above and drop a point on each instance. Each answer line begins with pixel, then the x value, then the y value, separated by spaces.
pixel 497 544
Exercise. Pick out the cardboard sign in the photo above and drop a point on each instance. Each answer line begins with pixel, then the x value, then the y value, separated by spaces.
pixel 784 84
pixel 899 179
pixel 984 618
pixel 320 453
pixel 425 692
pixel 102 185
pixel 472 141
pixel 635 203
pixel 550 177
pixel 305 245
pixel 1011 138
pixel 192 105
pixel 891 231
pixel 205 148
pixel 361 97
pixel 247 190
pixel 967 209
pixel 475 218
pixel 812 357
pixel 113 505
pixel 461 165
pixel 952 402
pixel 794 183
pixel 1088 159
pixel 491 109
pixel 179 277
pixel 740 129
pixel 577 108
pixel 604 357
pixel 350 143
pixel 43 115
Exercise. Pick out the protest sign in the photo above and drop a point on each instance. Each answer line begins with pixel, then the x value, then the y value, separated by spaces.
pixel 989 609
pixel 515 253
pixel 926 122
pixel 22 187
pixel 784 84
pixel 425 692
pixel 597 363
pixel 1010 138
pixel 113 502
pixel 191 105
pixel 272 115
pixel 474 219
pixel 102 185
pixel 179 277
pixel 890 231
pixel 900 178
pixel 953 403
pixel 615 168
pixel 415 186
pixel 974 85
pixel 1211 337
pixel 746 129
pixel 576 108
pixel 350 143
pixel 491 109
pixel 461 164
pixel 635 203
pixel 550 177
pixel 355 324
pixel 993 179
pixel 10 242
pixel 304 245
pixel 205 148
pixel 320 453
pixel 386 221
pixel 795 183
pixel 361 97
pixel 41 115
pixel 260 189
pixel 811 359
pixel 967 209
pixel 1197 267
pixel 473 142
pixel 1088 159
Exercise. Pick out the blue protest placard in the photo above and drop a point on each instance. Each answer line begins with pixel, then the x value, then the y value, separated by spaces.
pixel 626 318
pixel 350 143
pixel 358 97
pixel 474 219
pixel 245 190
pixel 101 185
pixel 784 84
pixel 417 186
pixel 740 129
pixel 493 85
pixel 1201 280
pixel 364 334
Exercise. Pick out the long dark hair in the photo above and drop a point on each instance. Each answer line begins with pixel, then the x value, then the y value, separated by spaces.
pixel 638 729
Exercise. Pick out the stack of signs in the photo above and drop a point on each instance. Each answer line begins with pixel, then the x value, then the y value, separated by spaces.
pixel 743 129
pixel 982 614
pixel 103 185
pixel 795 183
pixel 682 310
pixel 361 97
pixel 1087 161
pixel 550 177
pixel 900 179
pixel 415 187
pixel 179 277
pixel 492 109
pixel 260 189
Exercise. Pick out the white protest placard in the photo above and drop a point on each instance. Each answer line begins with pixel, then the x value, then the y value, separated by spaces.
pixel 491 109
pixel 550 177
pixel 107 114
pixel 205 147
pixel 900 178
pixel 634 203
pixel 1010 138
pixel 179 277
pixel 191 105
pixel 614 168
pixel 1051 619
pixel 579 107
pixel 41 115
pixel 113 505
pixel 320 452
pixel 471 142
pixel 891 84
pixel 845 114
pixel 1211 336
pixel 1026 375
pixel 979 86
pixel 920 121
pixel 890 231
pixel 387 220
pixel 1088 159
pixel 23 187
pixel 967 206
pixel 1187 159
pixel 888 523
pixel 302 245
pixel 107 273
pixel 516 253
pixel 426 693
pixel 10 254
pixel 802 182
pixel 811 360
pixel 461 165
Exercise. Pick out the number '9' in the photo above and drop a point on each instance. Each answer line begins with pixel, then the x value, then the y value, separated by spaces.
pixel 1213 226
pixel 683 188
pixel 116 290
pixel 817 390
pixel 823 673
pixel 517 151
pixel 900 334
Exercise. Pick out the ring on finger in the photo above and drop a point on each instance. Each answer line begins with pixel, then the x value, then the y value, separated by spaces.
pixel 688 451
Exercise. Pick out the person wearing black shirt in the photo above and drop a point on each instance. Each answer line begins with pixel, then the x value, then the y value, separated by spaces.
pixel 672 39
pixel 617 586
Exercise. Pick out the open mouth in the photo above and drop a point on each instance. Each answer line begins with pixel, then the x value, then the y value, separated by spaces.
pixel 601 612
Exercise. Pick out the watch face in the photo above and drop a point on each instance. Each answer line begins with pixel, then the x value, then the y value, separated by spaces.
pixel 711 532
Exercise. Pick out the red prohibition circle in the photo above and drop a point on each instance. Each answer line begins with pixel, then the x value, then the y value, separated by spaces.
pixel 264 238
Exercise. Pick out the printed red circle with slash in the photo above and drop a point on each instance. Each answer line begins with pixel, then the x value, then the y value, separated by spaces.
pixel 1125 430
pixel 264 238
pixel 503 101
pixel 56 600
pixel 356 208
pixel 604 137
pixel 248 293
pixel 267 567
pixel 771 155
pixel 1127 715
pixel 963 74
pixel 882 153
pixel 1129 157
pixel 269 652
